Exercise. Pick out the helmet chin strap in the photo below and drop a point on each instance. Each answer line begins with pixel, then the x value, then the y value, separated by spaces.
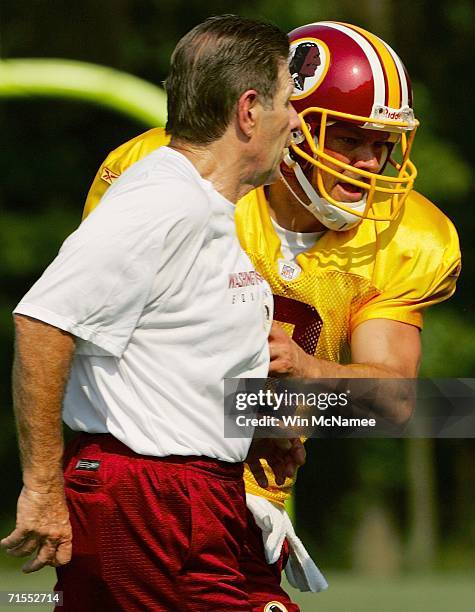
pixel 331 216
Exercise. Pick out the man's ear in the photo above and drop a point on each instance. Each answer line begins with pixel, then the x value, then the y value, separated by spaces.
pixel 247 112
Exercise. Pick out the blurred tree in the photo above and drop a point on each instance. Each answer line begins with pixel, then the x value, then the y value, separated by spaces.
pixel 422 510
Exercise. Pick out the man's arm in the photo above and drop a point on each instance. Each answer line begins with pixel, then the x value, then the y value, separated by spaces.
pixel 43 356
pixel 380 348
pixel 384 348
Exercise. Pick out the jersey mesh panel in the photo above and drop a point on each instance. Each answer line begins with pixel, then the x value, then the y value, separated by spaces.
pixel 333 296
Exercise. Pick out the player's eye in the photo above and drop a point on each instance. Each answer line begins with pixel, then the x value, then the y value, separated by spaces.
pixel 348 141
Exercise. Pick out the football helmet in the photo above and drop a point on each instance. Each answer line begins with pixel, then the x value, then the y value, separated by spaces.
pixel 343 73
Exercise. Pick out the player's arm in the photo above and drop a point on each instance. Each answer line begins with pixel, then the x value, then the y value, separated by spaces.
pixel 386 348
pixel 43 356
pixel 381 348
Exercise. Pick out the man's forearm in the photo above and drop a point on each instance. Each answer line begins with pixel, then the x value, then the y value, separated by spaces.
pixel 388 351
pixel 43 356
pixel 394 399
pixel 320 368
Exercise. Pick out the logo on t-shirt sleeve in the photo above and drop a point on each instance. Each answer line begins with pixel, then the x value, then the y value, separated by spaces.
pixel 108 175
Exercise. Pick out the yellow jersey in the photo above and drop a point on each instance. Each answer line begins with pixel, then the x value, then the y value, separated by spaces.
pixel 389 270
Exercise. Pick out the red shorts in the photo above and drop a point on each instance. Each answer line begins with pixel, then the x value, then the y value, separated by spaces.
pixel 263 580
pixel 152 534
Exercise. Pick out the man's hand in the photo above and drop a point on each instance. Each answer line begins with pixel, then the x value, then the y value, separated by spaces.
pixel 286 357
pixel 42 527
pixel 283 455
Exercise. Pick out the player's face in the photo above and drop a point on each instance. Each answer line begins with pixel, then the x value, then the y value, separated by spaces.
pixel 277 123
pixel 311 62
pixel 363 149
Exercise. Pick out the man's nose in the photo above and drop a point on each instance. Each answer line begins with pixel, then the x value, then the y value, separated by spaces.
pixel 367 159
pixel 294 120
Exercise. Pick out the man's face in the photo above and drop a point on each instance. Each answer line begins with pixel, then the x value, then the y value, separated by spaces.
pixel 275 127
pixel 310 63
pixel 360 148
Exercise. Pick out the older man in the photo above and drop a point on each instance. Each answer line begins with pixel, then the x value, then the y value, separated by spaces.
pixel 137 312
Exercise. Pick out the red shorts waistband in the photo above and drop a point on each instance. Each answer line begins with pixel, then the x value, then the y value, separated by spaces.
pixel 106 443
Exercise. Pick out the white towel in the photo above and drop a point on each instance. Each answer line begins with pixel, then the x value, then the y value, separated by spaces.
pixel 275 524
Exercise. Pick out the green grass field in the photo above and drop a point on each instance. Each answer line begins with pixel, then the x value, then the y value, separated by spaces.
pixel 347 593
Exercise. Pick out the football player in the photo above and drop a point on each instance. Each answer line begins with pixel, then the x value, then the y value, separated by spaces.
pixel 353 254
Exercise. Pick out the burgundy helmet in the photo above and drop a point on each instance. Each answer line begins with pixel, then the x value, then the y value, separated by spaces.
pixel 343 73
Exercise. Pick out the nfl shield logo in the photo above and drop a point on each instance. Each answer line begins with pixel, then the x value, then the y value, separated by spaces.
pixel 289 270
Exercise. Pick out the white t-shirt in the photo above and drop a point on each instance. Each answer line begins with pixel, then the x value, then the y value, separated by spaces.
pixel 165 304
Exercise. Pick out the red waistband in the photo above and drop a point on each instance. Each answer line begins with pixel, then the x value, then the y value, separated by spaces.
pixel 106 443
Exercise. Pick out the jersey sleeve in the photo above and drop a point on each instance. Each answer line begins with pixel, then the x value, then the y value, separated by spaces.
pixel 114 265
pixel 119 160
pixel 418 277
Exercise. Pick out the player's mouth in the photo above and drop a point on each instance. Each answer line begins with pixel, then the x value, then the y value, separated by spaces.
pixel 347 192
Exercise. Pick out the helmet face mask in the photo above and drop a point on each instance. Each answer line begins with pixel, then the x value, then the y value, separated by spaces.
pixel 346 75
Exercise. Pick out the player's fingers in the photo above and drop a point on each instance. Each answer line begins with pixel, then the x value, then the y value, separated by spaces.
pixel 279 459
pixel 276 330
pixel 273 350
pixel 290 469
pixel 290 458
pixel 277 348
pixel 258 473
pixel 277 465
pixel 283 444
pixel 280 475
pixel 276 365
pixel 15 539
pixel 300 455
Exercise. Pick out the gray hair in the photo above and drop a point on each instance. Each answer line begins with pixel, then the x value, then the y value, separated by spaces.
pixel 212 66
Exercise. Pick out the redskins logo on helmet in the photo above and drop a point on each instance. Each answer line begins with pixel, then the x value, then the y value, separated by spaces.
pixel 343 73
pixel 309 60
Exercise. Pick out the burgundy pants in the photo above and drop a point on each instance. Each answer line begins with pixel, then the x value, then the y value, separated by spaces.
pixel 152 534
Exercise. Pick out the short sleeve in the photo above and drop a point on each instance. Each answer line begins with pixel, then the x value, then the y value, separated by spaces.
pixel 102 278
pixel 416 279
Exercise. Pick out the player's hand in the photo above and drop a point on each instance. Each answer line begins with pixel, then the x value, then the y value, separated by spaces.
pixel 286 357
pixel 43 528
pixel 283 455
